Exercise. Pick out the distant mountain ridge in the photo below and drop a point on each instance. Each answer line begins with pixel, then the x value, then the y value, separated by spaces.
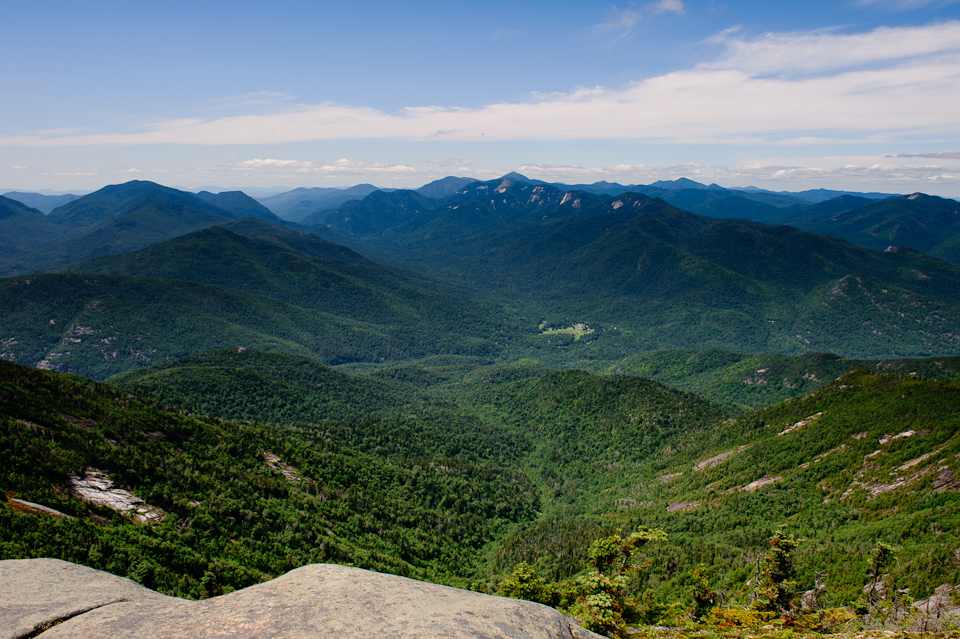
pixel 688 278
pixel 121 218
pixel 43 203
pixel 640 272
pixel 921 222
pixel 298 204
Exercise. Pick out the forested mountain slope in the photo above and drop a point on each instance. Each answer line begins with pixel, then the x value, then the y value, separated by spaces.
pixel 921 222
pixel 21 229
pixel 241 501
pixel 646 275
pixel 299 269
pixel 869 458
pixel 752 381
pixel 418 477
pixel 99 325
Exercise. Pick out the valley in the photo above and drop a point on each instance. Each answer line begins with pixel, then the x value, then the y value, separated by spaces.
pixel 472 382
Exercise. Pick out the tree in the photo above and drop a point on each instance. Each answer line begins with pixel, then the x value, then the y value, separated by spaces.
pixel 774 592
pixel 879 561
pixel 526 583
pixel 614 554
pixel 602 600
pixel 704 597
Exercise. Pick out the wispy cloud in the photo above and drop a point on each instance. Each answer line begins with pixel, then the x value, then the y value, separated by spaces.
pixel 455 163
pixel 500 34
pixel 906 5
pixel 667 6
pixel 342 166
pixel 884 85
pixel 826 51
pixel 937 155
pixel 620 22
pixel 273 163
pixel 621 173
pixel 882 176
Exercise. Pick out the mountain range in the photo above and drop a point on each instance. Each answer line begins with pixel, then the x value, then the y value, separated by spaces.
pixel 488 271
pixel 449 382
pixel 115 219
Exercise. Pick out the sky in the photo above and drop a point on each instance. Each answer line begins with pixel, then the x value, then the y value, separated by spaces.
pixel 859 95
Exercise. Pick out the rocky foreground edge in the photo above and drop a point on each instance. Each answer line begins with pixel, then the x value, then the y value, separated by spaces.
pixel 49 599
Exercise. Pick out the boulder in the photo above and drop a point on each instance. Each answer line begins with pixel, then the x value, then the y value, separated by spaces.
pixel 940 605
pixel 52 599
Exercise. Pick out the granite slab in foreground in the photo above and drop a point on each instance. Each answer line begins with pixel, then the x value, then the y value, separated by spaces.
pixel 52 599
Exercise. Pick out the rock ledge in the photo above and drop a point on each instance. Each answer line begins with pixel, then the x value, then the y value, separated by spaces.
pixel 52 599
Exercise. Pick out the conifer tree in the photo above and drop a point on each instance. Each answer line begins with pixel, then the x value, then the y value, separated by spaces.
pixel 774 592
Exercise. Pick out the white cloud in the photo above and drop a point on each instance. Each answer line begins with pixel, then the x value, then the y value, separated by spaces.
pixel 273 163
pixel 456 163
pixel 885 85
pixel 341 166
pixel 621 173
pixel 823 51
pixel 344 166
pixel 667 6
pixel 881 176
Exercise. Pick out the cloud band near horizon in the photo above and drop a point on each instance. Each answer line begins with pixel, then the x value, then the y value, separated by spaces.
pixel 889 84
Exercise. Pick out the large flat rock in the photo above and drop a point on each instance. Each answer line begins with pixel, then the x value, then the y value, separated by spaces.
pixel 317 601
pixel 39 592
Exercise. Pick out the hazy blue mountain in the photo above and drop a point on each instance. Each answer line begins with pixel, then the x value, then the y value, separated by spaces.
pixel 43 203
pixel 924 223
pixel 684 183
pixel 444 187
pixel 126 217
pixel 256 192
pixel 21 229
pixel 144 223
pixel 239 204
pixel 816 195
pixel 121 199
pixel 406 218
pixel 298 204
pixel 377 211
pixel 721 203
pixel 826 208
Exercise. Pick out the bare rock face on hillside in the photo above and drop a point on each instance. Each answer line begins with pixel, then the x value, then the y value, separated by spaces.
pixel 53 599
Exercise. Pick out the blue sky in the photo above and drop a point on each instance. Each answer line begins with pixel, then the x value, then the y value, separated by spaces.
pixel 851 94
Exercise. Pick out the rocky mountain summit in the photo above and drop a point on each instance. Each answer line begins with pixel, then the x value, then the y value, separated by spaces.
pixel 50 598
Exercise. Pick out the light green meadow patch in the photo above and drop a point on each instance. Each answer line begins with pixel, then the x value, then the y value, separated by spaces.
pixel 577 330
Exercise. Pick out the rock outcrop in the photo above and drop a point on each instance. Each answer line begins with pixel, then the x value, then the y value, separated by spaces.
pixel 53 599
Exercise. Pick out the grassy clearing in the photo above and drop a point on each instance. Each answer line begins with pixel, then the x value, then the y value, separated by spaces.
pixel 577 330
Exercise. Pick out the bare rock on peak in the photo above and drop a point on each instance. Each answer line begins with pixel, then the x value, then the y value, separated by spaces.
pixel 35 593
pixel 315 601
